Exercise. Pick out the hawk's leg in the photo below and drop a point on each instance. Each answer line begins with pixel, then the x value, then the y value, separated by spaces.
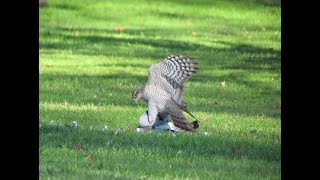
pixel 152 113
pixel 144 122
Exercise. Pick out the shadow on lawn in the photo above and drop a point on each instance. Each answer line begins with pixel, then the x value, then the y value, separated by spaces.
pixel 191 146
pixel 233 57
pixel 121 85
pixel 259 58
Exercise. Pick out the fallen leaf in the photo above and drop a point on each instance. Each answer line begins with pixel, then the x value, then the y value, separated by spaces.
pixel 118 28
pixel 223 83
pixel 194 33
pixel 216 104
pixel 94 96
pixel 205 118
pixel 78 148
pixel 89 157
pixel 236 149
pixel 129 44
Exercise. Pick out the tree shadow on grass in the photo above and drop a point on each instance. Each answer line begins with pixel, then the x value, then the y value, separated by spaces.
pixel 65 6
pixel 116 89
pixel 233 57
pixel 256 58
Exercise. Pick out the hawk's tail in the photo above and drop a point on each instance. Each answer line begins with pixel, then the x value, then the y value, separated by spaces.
pixel 178 118
pixel 195 124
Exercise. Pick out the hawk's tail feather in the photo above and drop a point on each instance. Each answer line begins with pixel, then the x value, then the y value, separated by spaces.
pixel 178 121
pixel 178 118
pixel 195 124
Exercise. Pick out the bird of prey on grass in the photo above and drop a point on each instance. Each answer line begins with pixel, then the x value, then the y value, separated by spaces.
pixel 164 90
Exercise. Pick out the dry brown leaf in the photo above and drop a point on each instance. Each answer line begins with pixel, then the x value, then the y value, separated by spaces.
pixel 223 83
pixel 78 148
pixel 216 104
pixel 236 149
pixel 89 157
pixel 194 33
pixel 118 28
pixel 205 118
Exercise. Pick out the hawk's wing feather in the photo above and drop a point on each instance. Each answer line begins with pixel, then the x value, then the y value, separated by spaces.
pixel 172 72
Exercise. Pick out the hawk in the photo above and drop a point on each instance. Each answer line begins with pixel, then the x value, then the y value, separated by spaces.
pixel 164 90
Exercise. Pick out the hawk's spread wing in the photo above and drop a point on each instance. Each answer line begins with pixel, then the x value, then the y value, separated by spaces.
pixel 171 73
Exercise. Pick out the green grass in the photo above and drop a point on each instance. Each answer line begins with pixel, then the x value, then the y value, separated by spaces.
pixel 88 72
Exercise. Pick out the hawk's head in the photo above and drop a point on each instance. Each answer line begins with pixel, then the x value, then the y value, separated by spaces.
pixel 184 106
pixel 137 93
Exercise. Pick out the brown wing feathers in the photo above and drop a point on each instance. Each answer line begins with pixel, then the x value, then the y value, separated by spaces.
pixel 178 118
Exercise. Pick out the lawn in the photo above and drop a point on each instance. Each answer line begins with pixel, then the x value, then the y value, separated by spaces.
pixel 93 54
